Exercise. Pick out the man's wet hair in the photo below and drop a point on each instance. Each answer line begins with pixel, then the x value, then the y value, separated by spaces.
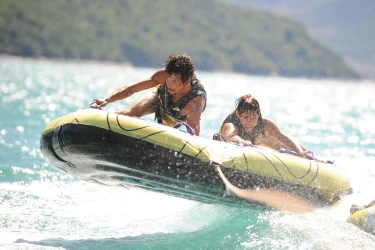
pixel 180 64
pixel 247 103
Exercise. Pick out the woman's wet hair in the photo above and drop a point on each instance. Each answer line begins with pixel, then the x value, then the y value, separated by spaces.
pixel 247 103
pixel 180 64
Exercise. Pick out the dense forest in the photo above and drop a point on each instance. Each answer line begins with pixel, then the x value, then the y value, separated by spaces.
pixel 218 36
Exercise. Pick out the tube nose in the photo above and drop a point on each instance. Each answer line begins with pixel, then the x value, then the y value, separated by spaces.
pixel 48 151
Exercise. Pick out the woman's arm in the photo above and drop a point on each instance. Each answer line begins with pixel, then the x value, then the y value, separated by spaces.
pixel 230 133
pixel 276 138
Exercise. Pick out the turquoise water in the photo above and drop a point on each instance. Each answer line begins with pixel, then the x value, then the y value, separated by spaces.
pixel 43 208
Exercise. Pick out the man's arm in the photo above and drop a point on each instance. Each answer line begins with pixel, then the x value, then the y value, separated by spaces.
pixel 372 203
pixel 193 111
pixel 158 78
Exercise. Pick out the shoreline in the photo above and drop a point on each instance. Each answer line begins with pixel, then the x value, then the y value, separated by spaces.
pixel 129 65
pixel 80 61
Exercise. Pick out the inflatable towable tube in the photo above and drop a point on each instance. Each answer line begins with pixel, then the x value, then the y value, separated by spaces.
pixel 111 149
pixel 364 219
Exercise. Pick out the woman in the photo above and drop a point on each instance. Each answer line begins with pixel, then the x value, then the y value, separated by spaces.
pixel 246 126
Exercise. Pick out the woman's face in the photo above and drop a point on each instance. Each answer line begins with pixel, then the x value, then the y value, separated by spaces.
pixel 248 119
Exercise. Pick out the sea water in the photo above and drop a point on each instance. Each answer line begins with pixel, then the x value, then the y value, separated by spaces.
pixel 43 208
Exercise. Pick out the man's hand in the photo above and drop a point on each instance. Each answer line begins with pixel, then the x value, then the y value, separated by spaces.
pixel 100 103
pixel 307 154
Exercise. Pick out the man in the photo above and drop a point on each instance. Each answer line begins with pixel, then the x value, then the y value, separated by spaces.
pixel 179 96
pixel 355 208
pixel 247 127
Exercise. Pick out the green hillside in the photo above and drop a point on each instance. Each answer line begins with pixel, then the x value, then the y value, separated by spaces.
pixel 218 36
pixel 345 26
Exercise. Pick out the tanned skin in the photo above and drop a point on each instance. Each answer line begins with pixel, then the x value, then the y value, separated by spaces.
pixel 144 106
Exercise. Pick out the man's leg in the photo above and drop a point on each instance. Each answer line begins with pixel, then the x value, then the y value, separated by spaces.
pixel 141 107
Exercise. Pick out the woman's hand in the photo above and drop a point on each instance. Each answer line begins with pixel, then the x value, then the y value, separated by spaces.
pixel 246 143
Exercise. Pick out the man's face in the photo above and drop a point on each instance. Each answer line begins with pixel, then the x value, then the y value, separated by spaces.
pixel 248 119
pixel 174 84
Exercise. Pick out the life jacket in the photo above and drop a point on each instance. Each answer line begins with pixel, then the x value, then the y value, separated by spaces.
pixel 168 112
pixel 256 136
